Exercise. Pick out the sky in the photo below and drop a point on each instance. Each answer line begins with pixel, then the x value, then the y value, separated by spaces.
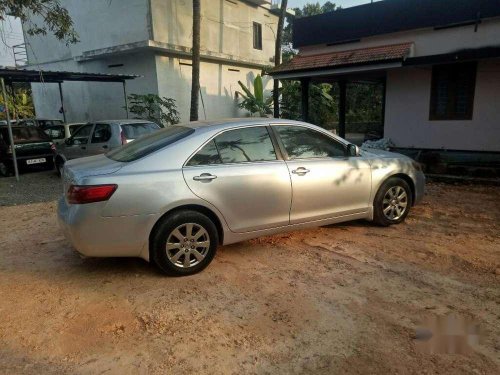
pixel 11 34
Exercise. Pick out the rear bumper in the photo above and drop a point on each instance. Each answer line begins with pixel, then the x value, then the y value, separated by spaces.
pixel 419 187
pixel 93 235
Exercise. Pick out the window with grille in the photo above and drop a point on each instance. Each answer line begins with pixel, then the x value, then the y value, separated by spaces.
pixel 257 35
pixel 452 91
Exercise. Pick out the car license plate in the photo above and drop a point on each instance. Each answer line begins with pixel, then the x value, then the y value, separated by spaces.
pixel 36 161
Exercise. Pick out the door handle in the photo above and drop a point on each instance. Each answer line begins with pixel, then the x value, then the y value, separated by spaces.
pixel 205 177
pixel 105 146
pixel 301 171
pixel 83 148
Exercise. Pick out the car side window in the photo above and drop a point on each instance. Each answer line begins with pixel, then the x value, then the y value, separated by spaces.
pixel 206 156
pixel 55 132
pixel 245 145
pixel 304 143
pixel 102 133
pixel 81 136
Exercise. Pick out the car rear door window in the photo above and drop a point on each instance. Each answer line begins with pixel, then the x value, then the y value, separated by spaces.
pixel 304 143
pixel 81 136
pixel 102 133
pixel 245 145
pixel 206 156
pixel 133 131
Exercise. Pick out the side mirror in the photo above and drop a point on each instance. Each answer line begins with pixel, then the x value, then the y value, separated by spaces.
pixel 68 141
pixel 352 150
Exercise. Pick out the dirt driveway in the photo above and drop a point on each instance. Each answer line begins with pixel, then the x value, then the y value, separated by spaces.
pixel 339 299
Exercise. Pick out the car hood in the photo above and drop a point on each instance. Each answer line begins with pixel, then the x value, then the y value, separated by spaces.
pixel 376 153
pixel 76 169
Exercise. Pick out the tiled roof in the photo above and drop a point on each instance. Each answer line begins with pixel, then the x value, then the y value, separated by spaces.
pixel 338 59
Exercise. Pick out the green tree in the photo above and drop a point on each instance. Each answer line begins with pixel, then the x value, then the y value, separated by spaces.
pixel 56 18
pixel 154 108
pixel 255 102
pixel 19 103
pixel 307 10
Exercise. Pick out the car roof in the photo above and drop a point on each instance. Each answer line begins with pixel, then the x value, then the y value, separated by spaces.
pixel 124 121
pixel 234 122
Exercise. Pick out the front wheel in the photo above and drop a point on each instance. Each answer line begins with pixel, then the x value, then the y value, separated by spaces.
pixel 184 243
pixel 392 202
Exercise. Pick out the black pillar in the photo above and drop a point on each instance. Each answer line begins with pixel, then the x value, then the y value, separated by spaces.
pixel 342 107
pixel 384 88
pixel 62 102
pixel 304 86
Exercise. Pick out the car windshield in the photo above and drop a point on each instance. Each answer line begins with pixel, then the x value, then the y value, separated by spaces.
pixel 133 131
pixel 149 144
pixel 29 134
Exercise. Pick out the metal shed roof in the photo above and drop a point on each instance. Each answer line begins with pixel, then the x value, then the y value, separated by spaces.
pixel 47 76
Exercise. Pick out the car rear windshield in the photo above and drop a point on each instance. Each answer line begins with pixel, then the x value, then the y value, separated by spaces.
pixel 133 131
pixel 149 143
pixel 25 134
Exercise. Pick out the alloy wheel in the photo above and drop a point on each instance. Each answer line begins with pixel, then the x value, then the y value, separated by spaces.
pixel 395 203
pixel 187 245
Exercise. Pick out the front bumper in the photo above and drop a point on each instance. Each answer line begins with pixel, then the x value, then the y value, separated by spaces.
pixel 94 235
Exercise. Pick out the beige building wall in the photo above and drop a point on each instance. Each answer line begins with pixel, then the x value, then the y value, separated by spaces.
pixel 152 38
pixel 407 108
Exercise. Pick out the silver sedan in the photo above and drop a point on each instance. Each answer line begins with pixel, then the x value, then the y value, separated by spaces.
pixel 172 197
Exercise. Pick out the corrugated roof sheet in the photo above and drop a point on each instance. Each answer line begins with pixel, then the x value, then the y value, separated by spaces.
pixel 379 54
pixel 31 75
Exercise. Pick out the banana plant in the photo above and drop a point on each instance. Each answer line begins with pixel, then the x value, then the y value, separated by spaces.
pixel 254 102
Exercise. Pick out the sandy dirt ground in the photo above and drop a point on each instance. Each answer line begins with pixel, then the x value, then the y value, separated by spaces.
pixel 339 299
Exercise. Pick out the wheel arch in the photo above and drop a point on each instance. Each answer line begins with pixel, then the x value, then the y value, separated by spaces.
pixel 407 179
pixel 192 207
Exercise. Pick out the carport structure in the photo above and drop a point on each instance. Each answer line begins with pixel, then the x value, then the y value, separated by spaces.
pixel 9 76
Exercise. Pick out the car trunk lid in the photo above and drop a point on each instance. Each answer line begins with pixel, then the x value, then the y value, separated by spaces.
pixel 78 169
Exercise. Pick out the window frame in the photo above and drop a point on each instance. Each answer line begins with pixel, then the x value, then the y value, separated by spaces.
pixel 276 146
pixel 257 27
pixel 330 136
pixel 451 114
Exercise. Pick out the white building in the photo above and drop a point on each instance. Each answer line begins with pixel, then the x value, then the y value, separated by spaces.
pixel 152 38
pixel 439 60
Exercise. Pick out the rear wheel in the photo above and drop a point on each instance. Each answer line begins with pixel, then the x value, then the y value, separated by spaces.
pixel 392 202
pixel 59 162
pixel 4 170
pixel 184 243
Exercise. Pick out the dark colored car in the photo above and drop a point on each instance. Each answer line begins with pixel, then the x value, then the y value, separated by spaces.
pixel 34 148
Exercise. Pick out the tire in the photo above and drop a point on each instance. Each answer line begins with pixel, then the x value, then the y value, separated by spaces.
pixel 174 229
pixel 5 171
pixel 392 202
pixel 59 163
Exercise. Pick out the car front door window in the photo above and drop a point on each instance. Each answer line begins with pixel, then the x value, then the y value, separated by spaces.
pixel 102 133
pixel 303 143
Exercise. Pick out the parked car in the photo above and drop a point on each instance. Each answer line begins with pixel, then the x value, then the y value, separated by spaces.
pixel 58 133
pixel 40 122
pixel 173 196
pixel 33 148
pixel 100 137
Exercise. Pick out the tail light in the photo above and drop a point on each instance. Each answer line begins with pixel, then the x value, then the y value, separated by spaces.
pixel 82 194
pixel 53 147
pixel 9 150
pixel 123 138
